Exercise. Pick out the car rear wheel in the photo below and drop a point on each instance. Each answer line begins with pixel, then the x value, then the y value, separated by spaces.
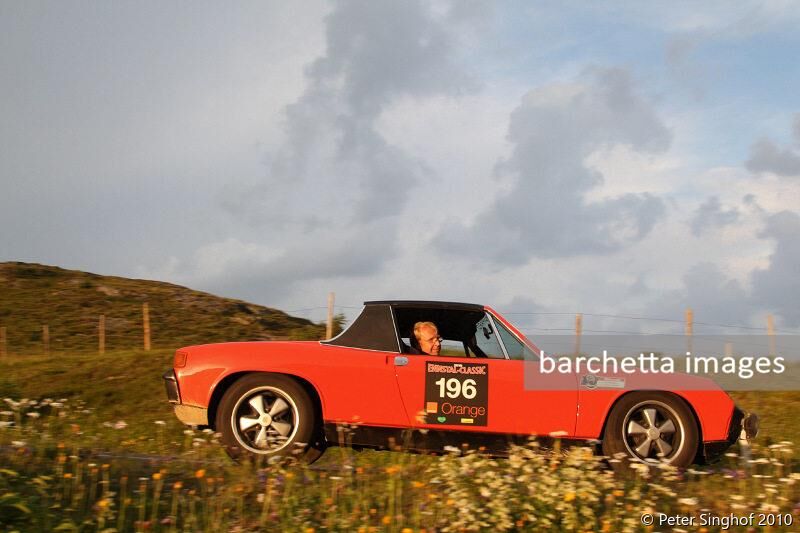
pixel 268 415
pixel 652 427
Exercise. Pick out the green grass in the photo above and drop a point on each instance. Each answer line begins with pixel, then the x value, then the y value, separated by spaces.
pixel 102 451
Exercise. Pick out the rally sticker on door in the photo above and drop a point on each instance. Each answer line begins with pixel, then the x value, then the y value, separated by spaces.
pixel 456 393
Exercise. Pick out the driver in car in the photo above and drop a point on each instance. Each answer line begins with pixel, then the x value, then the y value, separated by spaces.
pixel 426 339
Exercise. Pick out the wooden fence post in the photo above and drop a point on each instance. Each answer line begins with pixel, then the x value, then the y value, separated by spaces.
pixel 329 328
pixel 689 329
pixel 46 339
pixel 3 341
pixel 146 325
pixel 101 335
pixel 771 334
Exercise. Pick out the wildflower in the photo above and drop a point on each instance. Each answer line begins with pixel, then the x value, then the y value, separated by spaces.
pixel 417 484
pixel 392 469
pixel 157 476
pixel 407 530
pixel 103 503
pixel 569 496
pixel 618 493
pixel 386 520
pixel 200 473
pixel 178 485
pixel 67 475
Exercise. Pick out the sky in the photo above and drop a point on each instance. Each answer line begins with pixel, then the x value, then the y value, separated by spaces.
pixel 618 159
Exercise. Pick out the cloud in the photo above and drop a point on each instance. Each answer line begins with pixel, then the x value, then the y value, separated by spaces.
pixel 776 287
pixel 767 156
pixel 545 213
pixel 335 187
pixel 334 166
pixel 711 215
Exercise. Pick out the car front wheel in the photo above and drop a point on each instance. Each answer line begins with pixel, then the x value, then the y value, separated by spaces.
pixel 652 426
pixel 267 415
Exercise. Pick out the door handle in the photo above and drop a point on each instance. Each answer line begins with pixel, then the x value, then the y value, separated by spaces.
pixel 399 360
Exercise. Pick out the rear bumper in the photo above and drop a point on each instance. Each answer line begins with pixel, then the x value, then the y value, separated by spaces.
pixel 743 426
pixel 188 414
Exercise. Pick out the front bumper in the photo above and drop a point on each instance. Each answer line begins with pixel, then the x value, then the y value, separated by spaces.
pixel 171 384
pixel 188 414
pixel 743 426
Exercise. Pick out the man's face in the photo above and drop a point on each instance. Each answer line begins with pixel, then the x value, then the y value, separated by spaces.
pixel 429 340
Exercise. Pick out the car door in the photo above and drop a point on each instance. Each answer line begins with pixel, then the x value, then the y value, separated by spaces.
pixel 484 394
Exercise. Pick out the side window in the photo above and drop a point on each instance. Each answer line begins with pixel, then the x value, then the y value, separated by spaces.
pixel 486 339
pixel 452 348
pixel 516 349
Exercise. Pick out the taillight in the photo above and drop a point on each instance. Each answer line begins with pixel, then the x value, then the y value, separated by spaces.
pixel 180 359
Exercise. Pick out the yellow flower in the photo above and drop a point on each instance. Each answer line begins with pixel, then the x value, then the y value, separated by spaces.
pixel 618 493
pixel 386 520
pixel 568 497
pixel 200 473
pixel 407 530
pixel 309 530
pixel 102 504
pixel 417 484
pixel 157 476
pixel 178 485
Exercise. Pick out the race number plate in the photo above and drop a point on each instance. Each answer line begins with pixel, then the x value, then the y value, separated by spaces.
pixel 456 393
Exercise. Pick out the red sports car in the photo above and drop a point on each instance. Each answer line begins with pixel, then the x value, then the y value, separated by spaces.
pixel 482 386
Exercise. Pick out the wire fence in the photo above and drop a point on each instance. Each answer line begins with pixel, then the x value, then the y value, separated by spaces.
pixel 132 328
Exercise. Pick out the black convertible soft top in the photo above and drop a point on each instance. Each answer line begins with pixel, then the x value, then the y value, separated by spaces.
pixel 375 328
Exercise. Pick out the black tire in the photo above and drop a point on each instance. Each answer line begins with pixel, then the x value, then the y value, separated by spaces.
pixel 649 426
pixel 262 416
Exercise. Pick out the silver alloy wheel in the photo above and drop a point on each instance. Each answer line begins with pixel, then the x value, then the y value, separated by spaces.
pixel 653 431
pixel 265 420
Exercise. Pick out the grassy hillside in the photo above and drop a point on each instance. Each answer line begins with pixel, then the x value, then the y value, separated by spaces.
pixel 70 302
